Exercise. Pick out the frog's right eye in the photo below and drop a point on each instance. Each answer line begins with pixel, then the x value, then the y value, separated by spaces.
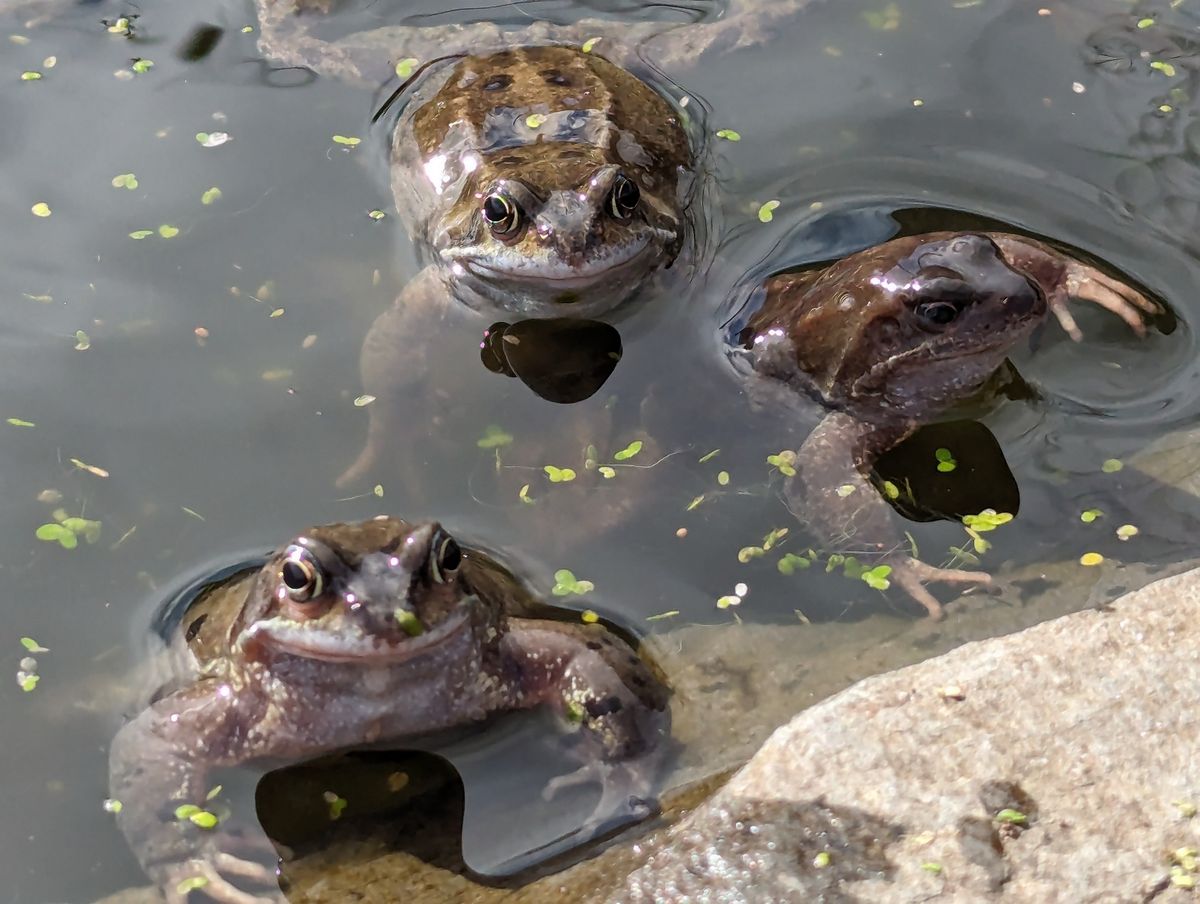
pixel 502 214
pixel 302 576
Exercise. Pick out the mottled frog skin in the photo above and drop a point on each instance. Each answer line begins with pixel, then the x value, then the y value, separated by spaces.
pixel 889 339
pixel 358 634
pixel 535 178
pixel 541 181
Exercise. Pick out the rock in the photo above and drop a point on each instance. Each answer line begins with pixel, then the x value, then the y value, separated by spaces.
pixel 1056 764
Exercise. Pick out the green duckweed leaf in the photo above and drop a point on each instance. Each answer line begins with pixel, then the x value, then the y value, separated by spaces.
pixel 409 623
pixel 766 212
pixel 945 460
pixel 405 67
pixel 784 462
pixel 566 584
pixel 494 437
pixel 791 562
pixel 629 451
pixel 191 883
pixel 337 804
pixel 728 135
pixel 877 577
pixel 204 819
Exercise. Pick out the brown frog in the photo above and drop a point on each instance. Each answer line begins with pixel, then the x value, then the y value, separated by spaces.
pixel 356 634
pixel 538 169
pixel 889 339
pixel 542 182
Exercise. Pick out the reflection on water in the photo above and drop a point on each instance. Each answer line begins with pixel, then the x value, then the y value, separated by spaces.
pixel 209 367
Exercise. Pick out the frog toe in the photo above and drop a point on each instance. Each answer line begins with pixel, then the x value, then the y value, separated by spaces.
pixel 625 794
pixel 209 874
pixel 912 575
pixel 1089 284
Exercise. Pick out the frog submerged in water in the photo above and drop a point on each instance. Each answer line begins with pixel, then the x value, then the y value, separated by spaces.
pixel 543 182
pixel 889 339
pixel 357 634
pixel 536 178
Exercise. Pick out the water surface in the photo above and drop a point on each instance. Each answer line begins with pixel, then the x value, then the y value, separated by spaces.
pixel 217 386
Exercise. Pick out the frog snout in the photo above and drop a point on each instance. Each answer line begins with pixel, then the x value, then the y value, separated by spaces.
pixel 565 222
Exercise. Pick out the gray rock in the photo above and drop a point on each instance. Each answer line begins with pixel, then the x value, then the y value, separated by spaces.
pixel 1086 725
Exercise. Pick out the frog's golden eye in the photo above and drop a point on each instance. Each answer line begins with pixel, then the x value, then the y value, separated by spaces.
pixel 623 198
pixel 502 214
pixel 446 559
pixel 301 574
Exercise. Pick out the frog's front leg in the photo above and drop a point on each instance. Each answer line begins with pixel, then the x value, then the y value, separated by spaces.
pixel 596 681
pixel 158 763
pixel 399 358
pixel 832 493
pixel 1063 278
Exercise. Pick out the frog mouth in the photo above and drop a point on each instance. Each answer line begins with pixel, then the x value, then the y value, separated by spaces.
pixel 353 644
pixel 558 274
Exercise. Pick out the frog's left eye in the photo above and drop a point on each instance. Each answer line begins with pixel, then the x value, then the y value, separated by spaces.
pixel 502 214
pixel 446 559
pixel 623 198
pixel 302 576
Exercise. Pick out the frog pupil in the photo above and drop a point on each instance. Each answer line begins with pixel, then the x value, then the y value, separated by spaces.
pixel 500 213
pixel 295 576
pixel 451 555
pixel 624 198
pixel 939 312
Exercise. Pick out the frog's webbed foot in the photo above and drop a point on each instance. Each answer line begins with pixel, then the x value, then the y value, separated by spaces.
pixel 1089 284
pixel 912 574
pixel 212 873
pixel 625 792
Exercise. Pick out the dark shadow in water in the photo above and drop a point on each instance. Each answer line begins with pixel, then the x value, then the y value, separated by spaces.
pixel 562 360
pixel 980 479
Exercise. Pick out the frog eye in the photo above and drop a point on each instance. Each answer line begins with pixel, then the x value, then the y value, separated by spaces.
pixel 937 313
pixel 447 558
pixel 624 197
pixel 302 576
pixel 501 213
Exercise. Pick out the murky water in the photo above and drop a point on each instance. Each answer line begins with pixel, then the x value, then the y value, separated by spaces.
pixel 211 372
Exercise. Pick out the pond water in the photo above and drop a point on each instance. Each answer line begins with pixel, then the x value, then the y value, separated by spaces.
pixel 193 390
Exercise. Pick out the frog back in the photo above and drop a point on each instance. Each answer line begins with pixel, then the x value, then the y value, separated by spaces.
pixel 529 113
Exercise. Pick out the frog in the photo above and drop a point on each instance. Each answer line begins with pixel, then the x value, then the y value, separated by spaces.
pixel 353 634
pixel 541 170
pixel 890 339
